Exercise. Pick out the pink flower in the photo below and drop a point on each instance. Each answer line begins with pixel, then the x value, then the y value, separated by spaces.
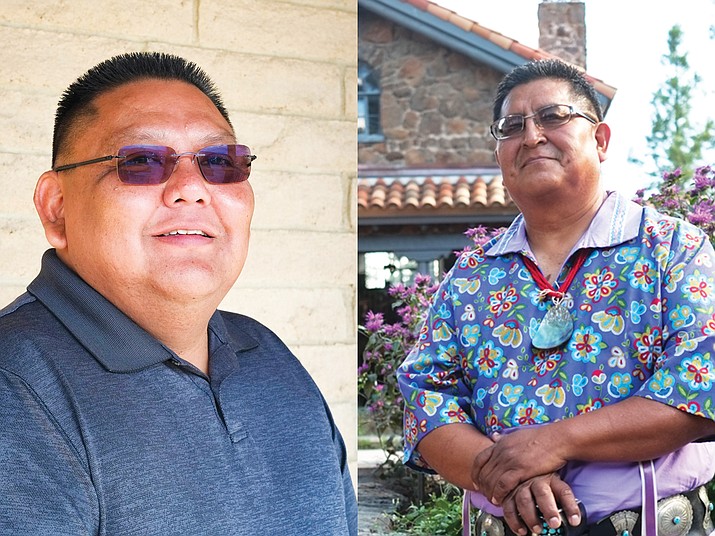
pixel 396 290
pixel 373 321
pixel 422 279
pixel 701 213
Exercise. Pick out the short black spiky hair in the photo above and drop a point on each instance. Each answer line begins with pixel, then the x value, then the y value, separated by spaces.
pixel 556 69
pixel 76 102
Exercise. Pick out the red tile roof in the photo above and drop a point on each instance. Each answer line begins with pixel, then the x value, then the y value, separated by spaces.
pixel 426 195
pixel 501 40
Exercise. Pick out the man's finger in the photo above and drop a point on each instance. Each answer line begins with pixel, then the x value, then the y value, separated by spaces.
pixel 526 507
pixel 545 497
pixel 512 518
pixel 565 497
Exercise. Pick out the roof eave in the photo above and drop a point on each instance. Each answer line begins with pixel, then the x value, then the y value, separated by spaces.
pixel 445 33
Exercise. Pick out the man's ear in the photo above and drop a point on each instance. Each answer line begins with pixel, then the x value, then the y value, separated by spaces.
pixel 50 205
pixel 603 137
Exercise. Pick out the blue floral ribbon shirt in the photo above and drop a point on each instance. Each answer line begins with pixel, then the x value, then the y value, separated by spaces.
pixel 644 325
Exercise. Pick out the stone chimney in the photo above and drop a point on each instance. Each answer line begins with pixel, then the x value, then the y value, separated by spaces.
pixel 562 30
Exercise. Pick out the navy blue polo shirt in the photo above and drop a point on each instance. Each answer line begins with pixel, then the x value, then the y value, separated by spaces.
pixel 103 430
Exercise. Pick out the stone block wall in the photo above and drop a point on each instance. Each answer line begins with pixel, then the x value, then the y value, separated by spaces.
pixel 287 71
pixel 562 30
pixel 435 105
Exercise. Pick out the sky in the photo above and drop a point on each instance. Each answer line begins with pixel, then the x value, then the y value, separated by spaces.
pixel 625 43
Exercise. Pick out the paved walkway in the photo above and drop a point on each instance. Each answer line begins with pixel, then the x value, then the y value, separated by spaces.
pixel 375 502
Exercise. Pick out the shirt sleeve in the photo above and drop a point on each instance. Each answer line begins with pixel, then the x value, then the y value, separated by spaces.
pixel 351 509
pixel 683 373
pixel 432 379
pixel 44 485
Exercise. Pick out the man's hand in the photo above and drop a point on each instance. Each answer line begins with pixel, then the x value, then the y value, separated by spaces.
pixel 619 430
pixel 451 449
pixel 515 458
pixel 548 492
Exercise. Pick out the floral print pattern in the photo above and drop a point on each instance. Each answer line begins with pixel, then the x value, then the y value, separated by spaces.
pixel 644 325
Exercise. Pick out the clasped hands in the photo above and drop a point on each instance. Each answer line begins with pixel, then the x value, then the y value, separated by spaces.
pixel 519 472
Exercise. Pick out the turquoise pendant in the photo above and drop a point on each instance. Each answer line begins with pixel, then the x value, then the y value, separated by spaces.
pixel 555 329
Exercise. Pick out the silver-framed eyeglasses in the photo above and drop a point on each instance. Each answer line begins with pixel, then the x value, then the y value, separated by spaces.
pixel 548 118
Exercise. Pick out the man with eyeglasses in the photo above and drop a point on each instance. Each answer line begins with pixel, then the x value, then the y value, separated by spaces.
pixel 564 373
pixel 128 403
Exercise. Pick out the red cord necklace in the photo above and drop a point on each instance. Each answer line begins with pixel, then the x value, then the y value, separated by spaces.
pixel 557 325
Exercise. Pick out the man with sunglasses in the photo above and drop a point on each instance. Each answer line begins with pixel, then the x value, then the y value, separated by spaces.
pixel 564 373
pixel 130 404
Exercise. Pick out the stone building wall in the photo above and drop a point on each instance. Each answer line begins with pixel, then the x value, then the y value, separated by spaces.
pixel 287 70
pixel 562 30
pixel 436 104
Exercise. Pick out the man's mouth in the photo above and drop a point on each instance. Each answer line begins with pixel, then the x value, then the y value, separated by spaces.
pixel 536 158
pixel 182 232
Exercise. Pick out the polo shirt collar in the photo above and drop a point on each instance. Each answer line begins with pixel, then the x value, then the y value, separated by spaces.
pixel 239 341
pixel 618 219
pixel 114 340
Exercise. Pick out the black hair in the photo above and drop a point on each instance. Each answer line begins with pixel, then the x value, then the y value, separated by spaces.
pixel 76 103
pixel 555 69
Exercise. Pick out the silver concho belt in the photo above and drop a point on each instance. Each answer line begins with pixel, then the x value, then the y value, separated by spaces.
pixel 675 518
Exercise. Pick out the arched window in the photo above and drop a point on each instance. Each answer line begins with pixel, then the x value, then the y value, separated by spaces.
pixel 368 104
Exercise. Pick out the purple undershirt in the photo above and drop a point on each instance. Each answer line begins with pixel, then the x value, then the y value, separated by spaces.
pixel 604 488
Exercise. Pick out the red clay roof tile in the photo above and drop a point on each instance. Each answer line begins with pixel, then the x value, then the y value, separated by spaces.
pixel 394 196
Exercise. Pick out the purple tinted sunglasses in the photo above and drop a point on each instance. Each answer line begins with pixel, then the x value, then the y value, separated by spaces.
pixel 154 164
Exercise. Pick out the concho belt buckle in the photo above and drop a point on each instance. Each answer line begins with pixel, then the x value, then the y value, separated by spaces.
pixel 675 516
pixel 623 522
pixel 707 521
pixel 488 525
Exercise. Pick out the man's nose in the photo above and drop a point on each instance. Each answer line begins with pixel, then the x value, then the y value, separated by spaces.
pixel 187 183
pixel 533 131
